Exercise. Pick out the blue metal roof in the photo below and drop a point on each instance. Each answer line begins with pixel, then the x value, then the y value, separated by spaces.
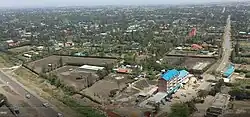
pixel 170 74
pixel 182 74
pixel 229 71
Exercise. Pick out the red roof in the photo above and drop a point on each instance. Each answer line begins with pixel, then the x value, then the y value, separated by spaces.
pixel 122 70
pixel 196 46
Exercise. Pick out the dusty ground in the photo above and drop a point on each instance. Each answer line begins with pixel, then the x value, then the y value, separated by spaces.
pixel 54 60
pixel 178 52
pixel 191 62
pixel 20 49
pixel 69 75
pixel 187 62
pixel 101 89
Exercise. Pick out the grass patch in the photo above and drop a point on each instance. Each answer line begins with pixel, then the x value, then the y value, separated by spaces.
pixel 22 72
pixel 5 60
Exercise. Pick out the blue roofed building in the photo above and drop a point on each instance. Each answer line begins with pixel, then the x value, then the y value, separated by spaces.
pixel 170 74
pixel 169 83
pixel 229 71
pixel 183 76
pixel 167 79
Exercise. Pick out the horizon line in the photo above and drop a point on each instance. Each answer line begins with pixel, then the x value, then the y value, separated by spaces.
pixel 119 5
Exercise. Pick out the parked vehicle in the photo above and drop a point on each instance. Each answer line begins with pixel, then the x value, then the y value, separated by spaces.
pixel 46 104
pixel 59 115
pixel 16 109
pixel 27 96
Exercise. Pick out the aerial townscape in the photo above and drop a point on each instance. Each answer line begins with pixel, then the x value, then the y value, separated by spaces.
pixel 126 61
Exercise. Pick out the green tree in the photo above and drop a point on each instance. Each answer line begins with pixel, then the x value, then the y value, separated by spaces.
pixel 61 62
pixel 237 46
pixel 236 91
pixel 58 83
pixel 179 110
pixel 248 75
pixel 202 94
pixel 102 54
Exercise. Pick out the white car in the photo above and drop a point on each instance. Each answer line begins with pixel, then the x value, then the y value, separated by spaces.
pixel 27 95
pixel 213 84
pixel 59 115
pixel 46 104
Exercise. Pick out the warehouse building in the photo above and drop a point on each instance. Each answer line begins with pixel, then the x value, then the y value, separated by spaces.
pixel 228 73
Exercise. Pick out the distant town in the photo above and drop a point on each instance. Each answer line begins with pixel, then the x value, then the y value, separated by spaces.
pixel 126 61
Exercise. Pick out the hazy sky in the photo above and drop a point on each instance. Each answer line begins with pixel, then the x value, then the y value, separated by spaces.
pixel 39 3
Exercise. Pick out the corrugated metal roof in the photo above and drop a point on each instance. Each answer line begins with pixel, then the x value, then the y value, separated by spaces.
pixel 229 71
pixel 89 67
pixel 170 74
pixel 182 74
pixel 196 46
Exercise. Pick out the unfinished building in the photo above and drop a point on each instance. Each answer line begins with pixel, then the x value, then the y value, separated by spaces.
pixel 219 105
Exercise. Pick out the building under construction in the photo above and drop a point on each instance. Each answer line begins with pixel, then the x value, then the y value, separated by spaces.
pixel 219 105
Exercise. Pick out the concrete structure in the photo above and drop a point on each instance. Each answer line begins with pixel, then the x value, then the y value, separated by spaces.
pixel 167 79
pixel 159 97
pixel 172 80
pixel 149 92
pixel 219 105
pixel 168 84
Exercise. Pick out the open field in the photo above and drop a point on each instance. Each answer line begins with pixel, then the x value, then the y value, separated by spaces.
pixel 190 53
pixel 54 61
pixel 20 49
pixel 4 60
pixel 244 44
pixel 187 62
pixel 190 62
pixel 72 76
pixel 183 52
pixel 244 48
pixel 106 85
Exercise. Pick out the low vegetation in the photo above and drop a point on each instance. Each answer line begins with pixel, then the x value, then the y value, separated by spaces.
pixel 182 109
pixel 240 90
